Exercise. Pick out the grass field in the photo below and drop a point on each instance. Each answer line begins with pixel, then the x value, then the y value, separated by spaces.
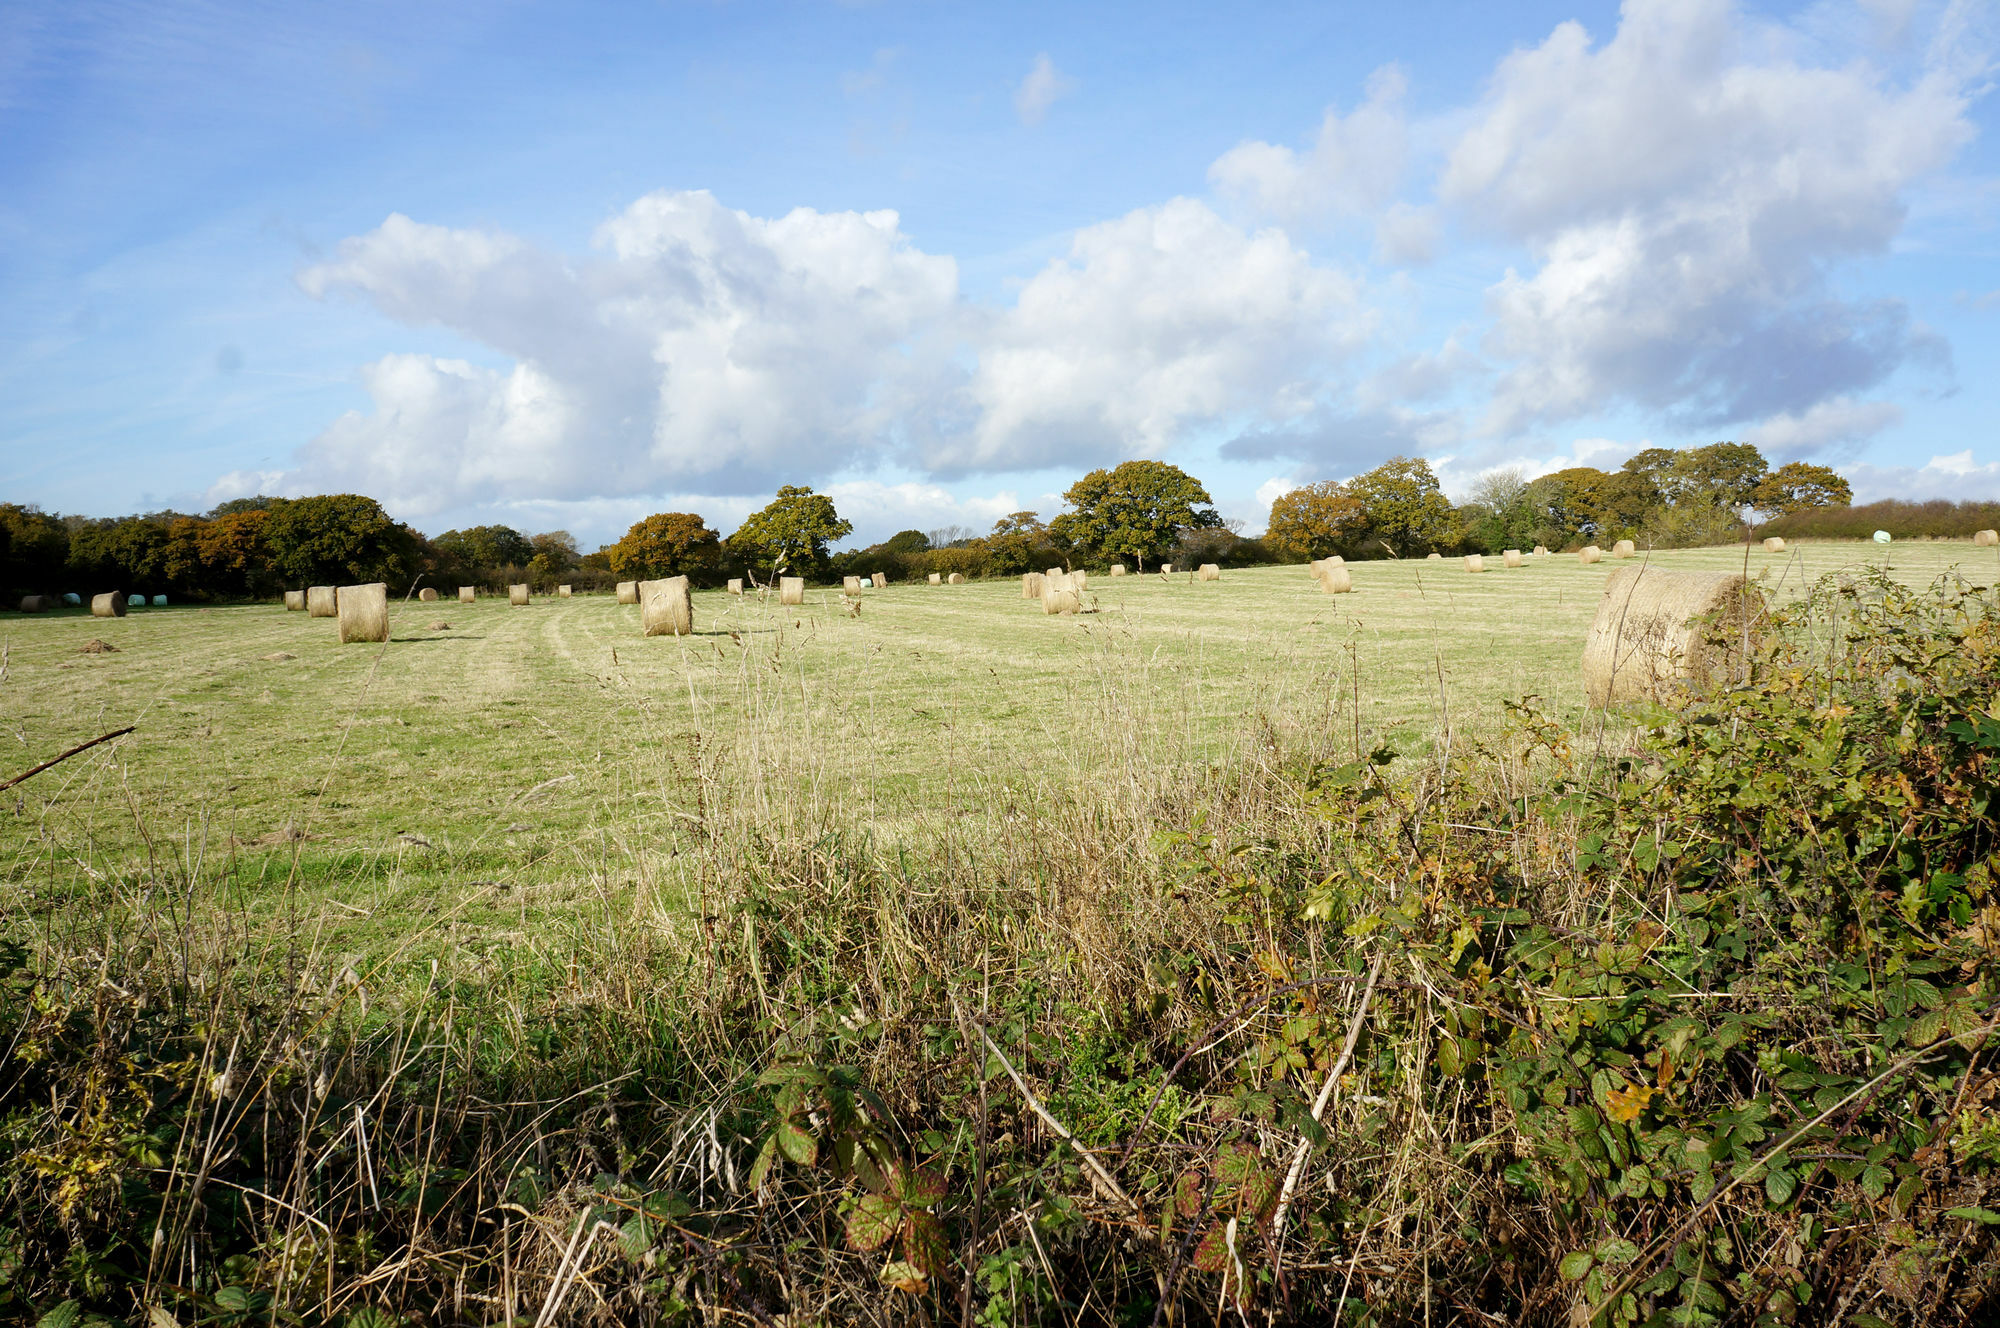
pixel 550 756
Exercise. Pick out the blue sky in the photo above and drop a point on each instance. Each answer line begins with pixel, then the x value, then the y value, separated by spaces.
pixel 563 266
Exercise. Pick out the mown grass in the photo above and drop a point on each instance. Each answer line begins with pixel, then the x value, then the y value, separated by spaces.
pixel 554 750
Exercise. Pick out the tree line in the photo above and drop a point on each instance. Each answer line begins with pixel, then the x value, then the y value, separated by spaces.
pixel 1143 513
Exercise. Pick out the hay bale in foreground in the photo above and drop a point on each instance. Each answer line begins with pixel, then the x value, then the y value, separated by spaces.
pixel 319 602
pixel 1657 630
pixel 562 592
pixel 935 579
pixel 666 607
pixel 1336 581
pixel 517 595
pixel 1474 563
pixel 791 590
pixel 1059 594
pixel 1589 554
pixel 1031 585
pixel 1774 544
pixel 1623 549
pixel 428 595
pixel 35 603
pixel 295 601
pixel 467 594
pixel 110 604
pixel 1208 572
pixel 1987 538
pixel 1511 558
pixel 363 612
pixel 850 585
pixel 1118 569
pixel 955 579
pixel 628 592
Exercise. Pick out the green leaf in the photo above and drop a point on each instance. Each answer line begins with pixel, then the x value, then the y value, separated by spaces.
pixel 1779 1186
pixel 1575 1264
pixel 767 1157
pixel 65 1315
pixel 873 1222
pixel 795 1143
pixel 1982 1215
pixel 904 1276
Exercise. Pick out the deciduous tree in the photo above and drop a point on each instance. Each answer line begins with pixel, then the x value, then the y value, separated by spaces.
pixel 791 532
pixel 1800 484
pixel 668 544
pixel 1137 510
pixel 1403 507
pixel 1315 520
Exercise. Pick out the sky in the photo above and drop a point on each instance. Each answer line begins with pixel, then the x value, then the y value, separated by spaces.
pixel 563 266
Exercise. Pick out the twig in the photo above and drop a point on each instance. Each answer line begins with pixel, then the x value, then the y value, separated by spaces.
pixel 1035 1105
pixel 1325 1096
pixel 80 747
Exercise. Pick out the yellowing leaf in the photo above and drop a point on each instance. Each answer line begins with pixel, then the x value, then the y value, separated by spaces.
pixel 1624 1103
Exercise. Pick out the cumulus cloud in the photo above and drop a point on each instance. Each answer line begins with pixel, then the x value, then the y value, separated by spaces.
pixel 1839 425
pixel 1166 317
pixel 1955 475
pixel 1044 86
pixel 1685 193
pixel 1354 166
pixel 699 343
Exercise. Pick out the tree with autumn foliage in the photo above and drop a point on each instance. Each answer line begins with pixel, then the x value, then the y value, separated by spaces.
pixel 668 544
pixel 1315 520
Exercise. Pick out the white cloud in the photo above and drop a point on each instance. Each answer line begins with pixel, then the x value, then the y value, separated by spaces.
pixel 1044 86
pixel 1841 424
pixel 1166 317
pixel 1354 166
pixel 1956 476
pixel 1685 191
pixel 700 343
pixel 1271 490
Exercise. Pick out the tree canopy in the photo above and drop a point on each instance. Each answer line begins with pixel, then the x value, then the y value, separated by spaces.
pixel 1797 485
pixel 338 539
pixel 1315 520
pixel 791 531
pixel 1137 510
pixel 1403 506
pixel 668 544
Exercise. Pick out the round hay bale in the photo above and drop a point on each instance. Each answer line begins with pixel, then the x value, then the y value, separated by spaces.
pixel 881 579
pixel 1208 572
pixel 135 601
pixel 467 594
pixel 1623 549
pixel 1774 544
pixel 734 586
pixel 110 604
pixel 955 579
pixel 1541 550
pixel 319 602
pixel 628 591
pixel 850 585
pixel 363 612
pixel 1511 558
pixel 1336 581
pixel 666 607
pixel 1118 569
pixel 295 601
pixel 428 594
pixel 1059 595
pixel 935 579
pixel 868 583
pixel 1589 554
pixel 1031 585
pixel 159 601
pixel 1657 631
pixel 71 598
pixel 1882 537
pixel 1166 569
pixel 791 590
pixel 517 595
pixel 1474 563
pixel 562 592
pixel 1434 558
pixel 1080 580
pixel 1985 539
pixel 34 603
